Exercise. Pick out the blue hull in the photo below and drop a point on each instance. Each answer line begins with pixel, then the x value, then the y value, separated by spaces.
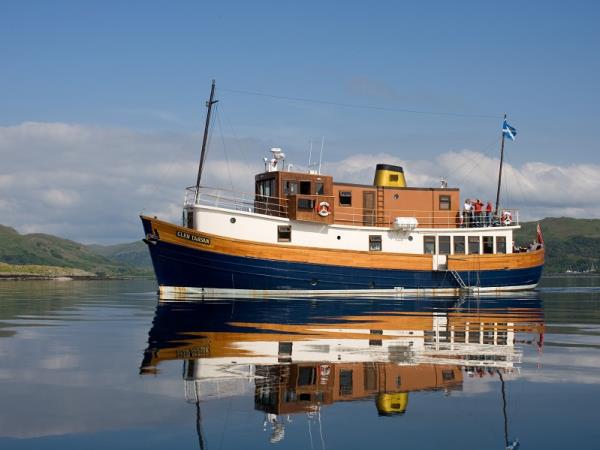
pixel 181 266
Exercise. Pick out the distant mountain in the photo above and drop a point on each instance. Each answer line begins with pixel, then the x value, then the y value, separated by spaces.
pixel 48 250
pixel 134 254
pixel 571 244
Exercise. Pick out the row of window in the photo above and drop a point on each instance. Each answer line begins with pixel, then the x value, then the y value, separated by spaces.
pixel 443 245
pixel 266 188
pixel 290 187
pixel 345 199
pixel 284 234
pixel 460 245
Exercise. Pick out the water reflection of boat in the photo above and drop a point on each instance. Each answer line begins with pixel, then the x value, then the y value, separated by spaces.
pixel 298 356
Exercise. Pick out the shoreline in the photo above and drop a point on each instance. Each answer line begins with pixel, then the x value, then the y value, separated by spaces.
pixel 34 277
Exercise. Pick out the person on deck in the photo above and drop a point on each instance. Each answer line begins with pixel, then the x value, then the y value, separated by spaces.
pixel 478 207
pixel 488 214
pixel 468 212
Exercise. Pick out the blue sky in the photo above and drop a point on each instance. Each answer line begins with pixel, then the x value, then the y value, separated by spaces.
pixel 146 67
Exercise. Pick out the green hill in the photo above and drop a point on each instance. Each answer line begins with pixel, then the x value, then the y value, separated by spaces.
pixel 571 244
pixel 48 250
pixel 133 254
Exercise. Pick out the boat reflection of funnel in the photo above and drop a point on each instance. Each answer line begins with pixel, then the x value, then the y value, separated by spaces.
pixel 392 404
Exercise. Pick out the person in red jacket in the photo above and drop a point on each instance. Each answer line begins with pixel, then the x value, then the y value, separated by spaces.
pixel 488 214
pixel 478 207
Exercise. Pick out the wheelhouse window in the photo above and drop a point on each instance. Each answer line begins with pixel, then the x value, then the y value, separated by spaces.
pixel 473 245
pixel 290 187
pixel 459 245
pixel 375 243
pixel 305 187
pixel 444 202
pixel 429 245
pixel 284 233
pixel 500 244
pixel 488 245
pixel 444 242
pixel 266 188
pixel 346 198
pixel 319 188
pixel 306 204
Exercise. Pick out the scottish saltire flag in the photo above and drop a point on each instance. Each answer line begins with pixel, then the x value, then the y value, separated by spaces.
pixel 509 131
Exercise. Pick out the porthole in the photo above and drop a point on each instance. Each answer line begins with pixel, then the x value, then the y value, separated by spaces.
pixel 396 196
pixel 410 238
pixel 232 220
pixel 339 237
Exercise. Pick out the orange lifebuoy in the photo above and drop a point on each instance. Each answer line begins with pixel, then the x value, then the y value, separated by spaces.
pixel 323 209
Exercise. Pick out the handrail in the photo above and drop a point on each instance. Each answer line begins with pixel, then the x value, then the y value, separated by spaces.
pixel 426 219
pixel 344 215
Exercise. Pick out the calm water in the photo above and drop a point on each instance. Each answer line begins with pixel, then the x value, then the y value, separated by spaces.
pixel 104 365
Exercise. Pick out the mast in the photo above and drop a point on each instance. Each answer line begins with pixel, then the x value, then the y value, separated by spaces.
pixel 500 170
pixel 209 104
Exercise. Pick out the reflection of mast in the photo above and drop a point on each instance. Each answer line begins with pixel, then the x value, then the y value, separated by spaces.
pixel 514 444
pixel 199 426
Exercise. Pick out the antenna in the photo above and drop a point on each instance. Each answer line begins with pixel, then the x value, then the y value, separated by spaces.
pixel 309 154
pixel 321 154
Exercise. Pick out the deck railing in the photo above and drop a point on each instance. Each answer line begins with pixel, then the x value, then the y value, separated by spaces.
pixel 345 215
pixel 236 201
pixel 427 219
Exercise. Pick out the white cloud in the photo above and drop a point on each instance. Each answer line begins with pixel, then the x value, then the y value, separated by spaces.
pixel 60 198
pixel 89 183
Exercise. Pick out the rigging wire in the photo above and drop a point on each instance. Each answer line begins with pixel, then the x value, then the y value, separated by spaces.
pixel 321 431
pixel 308 421
pixel 487 151
pixel 236 140
pixel 516 175
pixel 218 116
pixel 357 106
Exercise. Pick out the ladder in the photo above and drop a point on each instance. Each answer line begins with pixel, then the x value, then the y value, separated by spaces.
pixel 380 206
pixel 459 280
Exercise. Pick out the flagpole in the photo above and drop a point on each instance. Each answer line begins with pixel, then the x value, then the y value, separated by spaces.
pixel 500 170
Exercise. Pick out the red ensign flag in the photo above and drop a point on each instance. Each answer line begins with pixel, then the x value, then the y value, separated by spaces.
pixel 540 238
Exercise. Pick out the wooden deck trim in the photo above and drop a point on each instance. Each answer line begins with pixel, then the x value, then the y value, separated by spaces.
pixel 496 262
pixel 168 232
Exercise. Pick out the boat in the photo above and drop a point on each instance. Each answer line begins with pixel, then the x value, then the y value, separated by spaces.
pixel 301 233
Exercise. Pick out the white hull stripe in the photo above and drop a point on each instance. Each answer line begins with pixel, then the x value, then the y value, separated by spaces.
pixel 195 293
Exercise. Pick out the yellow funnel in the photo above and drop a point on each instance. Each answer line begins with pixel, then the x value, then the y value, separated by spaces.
pixel 387 175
